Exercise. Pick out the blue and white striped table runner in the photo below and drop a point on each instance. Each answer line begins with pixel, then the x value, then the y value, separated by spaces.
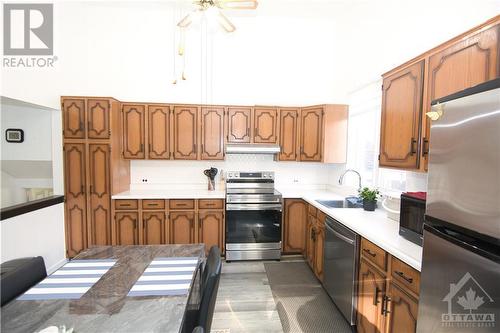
pixel 166 276
pixel 71 281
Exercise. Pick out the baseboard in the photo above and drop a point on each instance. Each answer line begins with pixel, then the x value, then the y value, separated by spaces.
pixel 56 266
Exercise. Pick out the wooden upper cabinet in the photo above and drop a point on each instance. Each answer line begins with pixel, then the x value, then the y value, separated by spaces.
pixel 158 132
pixel 212 133
pixel 265 125
pixel 100 195
pixel 371 289
pixel 185 132
pixel 134 131
pixel 401 115
pixel 288 134
pixel 126 228
pixel 153 227
pixel 211 229
pixel 182 227
pixel 294 226
pixel 75 190
pixel 98 118
pixel 74 118
pixel 239 124
pixel 311 134
pixel 402 310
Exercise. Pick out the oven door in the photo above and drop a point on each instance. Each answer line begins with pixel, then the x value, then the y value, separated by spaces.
pixel 253 223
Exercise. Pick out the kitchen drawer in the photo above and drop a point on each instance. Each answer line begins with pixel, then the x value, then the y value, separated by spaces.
pixel 405 275
pixel 181 204
pixel 374 254
pixel 153 204
pixel 321 217
pixel 312 210
pixel 210 204
pixel 126 204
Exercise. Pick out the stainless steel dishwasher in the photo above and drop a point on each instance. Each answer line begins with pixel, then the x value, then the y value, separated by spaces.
pixel 341 267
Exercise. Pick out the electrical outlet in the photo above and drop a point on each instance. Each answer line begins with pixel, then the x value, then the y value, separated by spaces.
pixel 144 180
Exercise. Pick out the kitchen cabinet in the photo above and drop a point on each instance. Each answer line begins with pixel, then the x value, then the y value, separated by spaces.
pixel 211 229
pixel 311 222
pixel 127 228
pixel 371 288
pixel 134 132
pixel 401 115
pixel 154 228
pixel 212 133
pixel 158 132
pixel 462 62
pixel 319 244
pixel 239 124
pixel 185 124
pixel 401 310
pixel 182 227
pixel 76 200
pixel 311 134
pixel 288 134
pixel 294 226
pixel 93 170
pixel 315 240
pixel 265 125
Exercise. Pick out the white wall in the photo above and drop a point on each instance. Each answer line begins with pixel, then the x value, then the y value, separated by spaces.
pixel 38 233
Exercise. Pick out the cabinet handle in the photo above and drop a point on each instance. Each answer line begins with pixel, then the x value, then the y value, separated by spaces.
pixel 426 147
pixel 142 147
pixel 80 125
pixel 149 147
pixel 375 297
pixel 124 205
pixel 135 224
pixel 91 190
pixel 82 189
pixel 202 148
pixel 401 274
pixel 370 253
pixel 256 132
pixel 412 146
pixel 385 305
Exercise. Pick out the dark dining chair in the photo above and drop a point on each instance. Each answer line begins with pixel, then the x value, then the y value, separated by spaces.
pixel 19 275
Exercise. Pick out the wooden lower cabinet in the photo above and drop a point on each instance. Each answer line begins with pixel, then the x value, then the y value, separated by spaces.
pixel 153 228
pixel 211 229
pixel 126 228
pixel 402 310
pixel 294 226
pixel 371 288
pixel 319 243
pixel 310 241
pixel 182 227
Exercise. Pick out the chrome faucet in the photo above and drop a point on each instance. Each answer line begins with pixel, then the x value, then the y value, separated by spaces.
pixel 341 179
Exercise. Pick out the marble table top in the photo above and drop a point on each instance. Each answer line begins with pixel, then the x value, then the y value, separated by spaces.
pixel 106 307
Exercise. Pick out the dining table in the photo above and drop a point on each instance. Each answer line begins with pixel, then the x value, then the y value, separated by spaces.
pixel 110 305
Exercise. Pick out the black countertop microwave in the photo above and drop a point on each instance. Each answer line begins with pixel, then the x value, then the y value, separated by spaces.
pixel 411 218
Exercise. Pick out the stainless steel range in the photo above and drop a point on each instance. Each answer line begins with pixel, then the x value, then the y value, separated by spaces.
pixel 253 216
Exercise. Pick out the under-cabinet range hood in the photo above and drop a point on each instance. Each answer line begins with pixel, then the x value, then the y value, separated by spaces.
pixel 252 148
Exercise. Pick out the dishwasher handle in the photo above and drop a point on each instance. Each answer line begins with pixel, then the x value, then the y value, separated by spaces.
pixel 339 235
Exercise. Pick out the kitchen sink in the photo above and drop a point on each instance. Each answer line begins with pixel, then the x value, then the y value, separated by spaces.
pixel 349 202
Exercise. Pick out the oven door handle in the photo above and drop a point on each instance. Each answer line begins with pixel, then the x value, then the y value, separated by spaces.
pixel 277 207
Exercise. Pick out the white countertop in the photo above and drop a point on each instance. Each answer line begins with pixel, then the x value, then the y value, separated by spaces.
pixel 374 226
pixel 171 194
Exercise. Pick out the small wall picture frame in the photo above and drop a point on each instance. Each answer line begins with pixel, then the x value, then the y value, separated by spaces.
pixel 14 135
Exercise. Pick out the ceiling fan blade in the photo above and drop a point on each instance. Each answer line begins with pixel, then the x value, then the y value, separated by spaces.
pixel 186 21
pixel 238 4
pixel 225 23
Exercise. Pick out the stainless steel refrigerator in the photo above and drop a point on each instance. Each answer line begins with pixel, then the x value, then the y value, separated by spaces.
pixel 460 279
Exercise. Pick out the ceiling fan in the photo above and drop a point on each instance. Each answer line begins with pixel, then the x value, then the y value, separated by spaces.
pixel 217 6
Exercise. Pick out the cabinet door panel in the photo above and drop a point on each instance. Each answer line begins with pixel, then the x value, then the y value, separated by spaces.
pixel 311 133
pixel 182 227
pixel 403 311
pixel 371 288
pixel 266 125
pixel 98 113
pixel 133 131
pixel 75 189
pixel 74 118
pixel 212 133
pixel 310 241
pixel 211 229
pixel 185 132
pixel 159 132
pixel 153 225
pixel 126 228
pixel 100 196
pixel 295 226
pixel 239 124
pixel 401 114
pixel 288 134
pixel 319 243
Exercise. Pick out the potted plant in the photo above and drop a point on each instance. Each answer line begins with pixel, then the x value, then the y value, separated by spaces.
pixel 369 198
